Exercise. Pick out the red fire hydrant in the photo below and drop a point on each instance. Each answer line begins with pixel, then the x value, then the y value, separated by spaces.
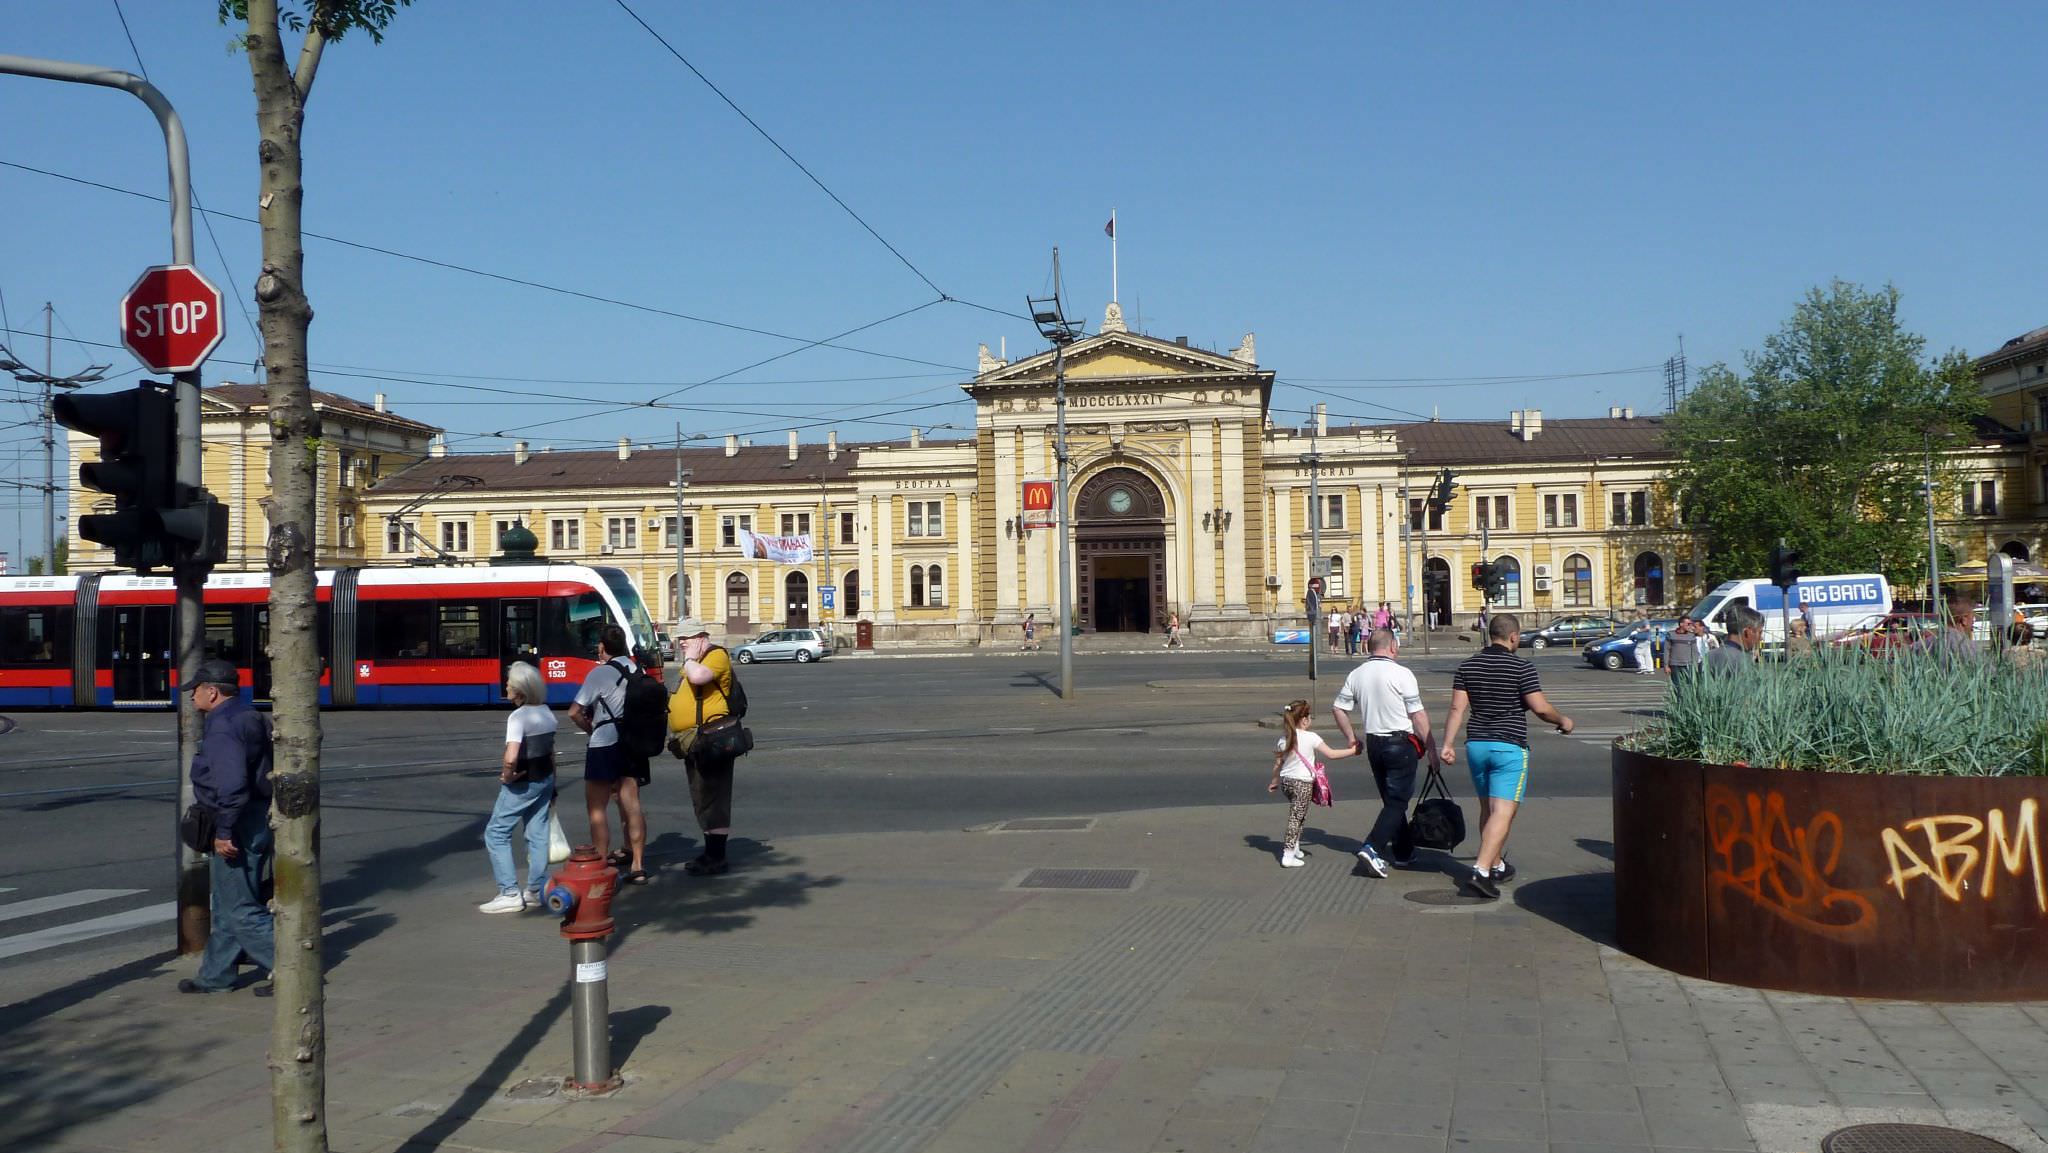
pixel 582 893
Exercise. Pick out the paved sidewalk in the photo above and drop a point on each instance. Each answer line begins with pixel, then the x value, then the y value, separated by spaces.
pixel 860 994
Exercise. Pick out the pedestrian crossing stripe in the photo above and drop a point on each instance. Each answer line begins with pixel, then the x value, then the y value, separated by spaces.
pixel 80 931
pixel 15 910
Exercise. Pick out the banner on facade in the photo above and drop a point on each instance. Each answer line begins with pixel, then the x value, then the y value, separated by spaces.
pixel 780 549
pixel 1038 499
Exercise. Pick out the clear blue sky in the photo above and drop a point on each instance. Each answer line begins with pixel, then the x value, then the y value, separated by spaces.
pixel 1387 191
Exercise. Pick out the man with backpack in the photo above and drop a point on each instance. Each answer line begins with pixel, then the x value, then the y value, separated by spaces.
pixel 705 714
pixel 624 711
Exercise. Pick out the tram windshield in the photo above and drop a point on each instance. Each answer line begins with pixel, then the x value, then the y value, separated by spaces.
pixel 639 626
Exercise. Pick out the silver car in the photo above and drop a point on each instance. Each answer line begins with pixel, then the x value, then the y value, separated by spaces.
pixel 800 645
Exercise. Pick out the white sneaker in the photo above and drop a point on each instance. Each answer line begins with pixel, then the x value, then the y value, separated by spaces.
pixel 503 903
pixel 1292 859
pixel 535 900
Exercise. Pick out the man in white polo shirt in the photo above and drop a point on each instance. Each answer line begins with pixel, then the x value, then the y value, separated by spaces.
pixel 1396 729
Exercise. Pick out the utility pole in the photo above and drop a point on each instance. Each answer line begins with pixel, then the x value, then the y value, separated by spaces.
pixel 825 536
pixel 1314 460
pixel 1933 544
pixel 681 607
pixel 1051 318
pixel 1407 568
pixel 1428 510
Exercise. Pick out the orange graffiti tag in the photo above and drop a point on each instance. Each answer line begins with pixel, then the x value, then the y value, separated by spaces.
pixel 1783 868
pixel 1951 855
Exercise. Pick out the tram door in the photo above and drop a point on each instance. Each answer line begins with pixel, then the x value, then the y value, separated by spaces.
pixel 135 644
pixel 518 639
pixel 259 655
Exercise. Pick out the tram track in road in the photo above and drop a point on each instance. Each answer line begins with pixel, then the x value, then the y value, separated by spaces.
pixel 326 778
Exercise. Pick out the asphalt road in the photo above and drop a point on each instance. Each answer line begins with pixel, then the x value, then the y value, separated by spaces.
pixel 87 805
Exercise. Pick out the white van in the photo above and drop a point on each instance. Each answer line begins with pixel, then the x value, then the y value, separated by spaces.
pixel 1838 603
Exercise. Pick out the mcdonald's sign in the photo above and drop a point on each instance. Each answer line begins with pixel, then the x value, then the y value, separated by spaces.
pixel 1038 500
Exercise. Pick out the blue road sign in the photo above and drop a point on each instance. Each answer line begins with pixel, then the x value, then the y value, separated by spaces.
pixel 828 596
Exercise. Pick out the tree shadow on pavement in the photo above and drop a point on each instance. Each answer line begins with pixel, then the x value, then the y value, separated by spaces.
pixel 674 905
pixel 1580 902
pixel 84 1066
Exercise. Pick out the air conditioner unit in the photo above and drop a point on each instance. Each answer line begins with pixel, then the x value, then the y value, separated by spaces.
pixel 654 522
pixel 604 550
pixel 1543 584
pixel 1542 572
pixel 1684 568
pixel 1272 580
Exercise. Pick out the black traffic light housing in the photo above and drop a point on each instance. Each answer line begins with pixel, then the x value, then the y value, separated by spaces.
pixel 1443 493
pixel 156 522
pixel 1785 566
pixel 1482 575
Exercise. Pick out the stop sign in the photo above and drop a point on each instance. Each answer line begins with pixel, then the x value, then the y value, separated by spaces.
pixel 170 319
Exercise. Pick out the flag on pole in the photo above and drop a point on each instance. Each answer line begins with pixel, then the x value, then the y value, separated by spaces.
pixel 1109 229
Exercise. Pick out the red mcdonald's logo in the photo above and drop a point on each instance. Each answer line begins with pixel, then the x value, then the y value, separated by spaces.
pixel 1037 495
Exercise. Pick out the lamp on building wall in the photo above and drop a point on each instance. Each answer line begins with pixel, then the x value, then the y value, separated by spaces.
pixel 1015 527
pixel 1217 520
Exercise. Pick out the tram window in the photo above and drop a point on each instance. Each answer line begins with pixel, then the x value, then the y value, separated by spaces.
pixel 462 629
pixel 34 636
pixel 400 630
pixel 220 637
pixel 570 625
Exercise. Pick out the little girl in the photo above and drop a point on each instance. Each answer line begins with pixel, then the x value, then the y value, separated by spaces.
pixel 1294 775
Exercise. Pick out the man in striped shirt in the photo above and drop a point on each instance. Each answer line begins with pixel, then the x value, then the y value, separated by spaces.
pixel 1494 689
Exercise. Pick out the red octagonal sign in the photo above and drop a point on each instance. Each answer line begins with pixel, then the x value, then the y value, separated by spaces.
pixel 170 319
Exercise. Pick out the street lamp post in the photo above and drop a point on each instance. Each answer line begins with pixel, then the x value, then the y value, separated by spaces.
pixel 1051 318
pixel 681 604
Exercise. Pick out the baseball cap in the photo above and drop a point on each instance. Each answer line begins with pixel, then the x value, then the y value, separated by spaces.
pixel 215 671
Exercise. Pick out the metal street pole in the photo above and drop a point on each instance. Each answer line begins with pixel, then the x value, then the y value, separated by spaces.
pixel 1059 406
pixel 825 535
pixel 1407 568
pixel 681 603
pixel 1933 547
pixel 194 914
pixel 49 451
pixel 1314 460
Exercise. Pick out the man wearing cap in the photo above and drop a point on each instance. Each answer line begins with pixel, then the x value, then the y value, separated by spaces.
pixel 231 778
pixel 707 673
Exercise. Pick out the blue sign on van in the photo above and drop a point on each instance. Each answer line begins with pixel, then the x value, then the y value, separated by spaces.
pixel 1854 593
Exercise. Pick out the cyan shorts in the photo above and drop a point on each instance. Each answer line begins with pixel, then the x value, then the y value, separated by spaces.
pixel 1499 770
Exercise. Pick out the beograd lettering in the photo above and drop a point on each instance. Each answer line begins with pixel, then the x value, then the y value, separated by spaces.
pixel 172 318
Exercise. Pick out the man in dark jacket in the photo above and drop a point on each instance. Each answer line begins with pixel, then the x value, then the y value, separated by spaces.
pixel 231 778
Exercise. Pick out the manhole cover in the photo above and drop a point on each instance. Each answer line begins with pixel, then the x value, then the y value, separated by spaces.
pixel 1047 825
pixel 1445 897
pixel 1079 879
pixel 534 1089
pixel 1893 1138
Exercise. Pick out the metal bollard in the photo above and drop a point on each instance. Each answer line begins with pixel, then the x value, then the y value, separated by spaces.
pixel 590 1015
pixel 582 893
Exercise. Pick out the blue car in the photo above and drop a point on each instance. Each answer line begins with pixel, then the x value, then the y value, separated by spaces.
pixel 1620 652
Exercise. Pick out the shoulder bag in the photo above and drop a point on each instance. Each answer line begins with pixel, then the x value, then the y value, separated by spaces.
pixel 1320 792
pixel 1439 822
pixel 724 739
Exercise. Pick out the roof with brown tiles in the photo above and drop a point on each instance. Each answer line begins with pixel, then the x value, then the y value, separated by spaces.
pixel 257 396
pixel 1439 442
pixel 649 466
pixel 2020 347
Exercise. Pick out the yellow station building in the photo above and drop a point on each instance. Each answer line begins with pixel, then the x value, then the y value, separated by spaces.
pixel 1187 497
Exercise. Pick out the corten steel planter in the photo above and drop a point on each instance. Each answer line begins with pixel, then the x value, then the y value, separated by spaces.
pixel 1927 888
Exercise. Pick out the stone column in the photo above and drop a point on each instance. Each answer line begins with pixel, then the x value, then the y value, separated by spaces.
pixel 1008 499
pixel 884 521
pixel 1237 500
pixel 1201 498
pixel 963 557
pixel 1041 552
pixel 1283 546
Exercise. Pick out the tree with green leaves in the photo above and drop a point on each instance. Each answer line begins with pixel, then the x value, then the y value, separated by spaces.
pixel 1823 441
pixel 298 1046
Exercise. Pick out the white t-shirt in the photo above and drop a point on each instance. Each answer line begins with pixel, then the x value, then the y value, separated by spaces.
pixel 1384 693
pixel 533 726
pixel 603 696
pixel 1306 744
pixel 1336 620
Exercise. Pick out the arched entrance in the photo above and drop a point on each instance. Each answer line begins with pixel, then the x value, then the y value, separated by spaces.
pixel 2014 549
pixel 796 601
pixel 1649 579
pixel 737 596
pixel 1436 591
pixel 849 593
pixel 1511 586
pixel 1120 552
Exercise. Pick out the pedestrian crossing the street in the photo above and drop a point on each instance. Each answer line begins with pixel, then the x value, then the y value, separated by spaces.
pixel 46 922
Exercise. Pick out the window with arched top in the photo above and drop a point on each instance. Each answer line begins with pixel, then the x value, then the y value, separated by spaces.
pixel 1336 582
pixel 917 586
pixel 934 586
pixel 849 593
pixel 1578 581
pixel 1511 590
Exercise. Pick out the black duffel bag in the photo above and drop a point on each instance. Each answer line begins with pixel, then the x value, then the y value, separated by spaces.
pixel 1438 823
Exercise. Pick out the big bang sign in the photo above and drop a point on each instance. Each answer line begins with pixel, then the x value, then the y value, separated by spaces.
pixel 1038 498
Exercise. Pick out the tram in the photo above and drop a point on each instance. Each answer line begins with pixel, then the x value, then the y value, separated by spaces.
pixel 387 636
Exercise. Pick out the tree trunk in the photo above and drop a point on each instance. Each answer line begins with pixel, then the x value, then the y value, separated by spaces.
pixel 298 1044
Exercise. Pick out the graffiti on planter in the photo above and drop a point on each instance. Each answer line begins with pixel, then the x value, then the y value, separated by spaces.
pixel 1783 867
pixel 1955 845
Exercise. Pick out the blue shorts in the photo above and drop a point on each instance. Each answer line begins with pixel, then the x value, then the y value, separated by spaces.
pixel 606 763
pixel 1499 770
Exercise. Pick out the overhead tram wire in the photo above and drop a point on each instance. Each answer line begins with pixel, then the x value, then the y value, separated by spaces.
pixel 226 268
pixel 505 278
pixel 1395 383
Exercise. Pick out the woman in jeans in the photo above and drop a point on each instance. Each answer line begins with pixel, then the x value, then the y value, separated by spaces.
pixel 526 792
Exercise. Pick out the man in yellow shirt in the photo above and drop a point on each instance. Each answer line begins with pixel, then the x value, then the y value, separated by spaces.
pixel 707 675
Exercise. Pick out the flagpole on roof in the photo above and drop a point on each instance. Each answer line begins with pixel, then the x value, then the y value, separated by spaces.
pixel 1112 255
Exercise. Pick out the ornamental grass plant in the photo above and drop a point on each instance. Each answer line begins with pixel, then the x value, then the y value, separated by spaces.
pixel 1848 711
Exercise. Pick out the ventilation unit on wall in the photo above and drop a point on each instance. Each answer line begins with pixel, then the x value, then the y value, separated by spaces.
pixel 1542 584
pixel 1684 568
pixel 1543 572
pixel 1272 580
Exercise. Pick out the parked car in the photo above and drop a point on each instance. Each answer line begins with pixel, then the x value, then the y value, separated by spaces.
pixel 800 645
pixel 665 645
pixel 1570 631
pixel 1619 652
pixel 1887 633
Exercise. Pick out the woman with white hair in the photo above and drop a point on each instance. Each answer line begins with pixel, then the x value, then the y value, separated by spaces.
pixel 526 792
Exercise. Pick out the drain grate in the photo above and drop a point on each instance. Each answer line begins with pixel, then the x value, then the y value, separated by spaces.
pixel 1047 825
pixel 1099 879
pixel 1445 897
pixel 1895 1138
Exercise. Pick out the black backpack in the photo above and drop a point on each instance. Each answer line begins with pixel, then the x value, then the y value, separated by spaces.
pixel 736 700
pixel 643 726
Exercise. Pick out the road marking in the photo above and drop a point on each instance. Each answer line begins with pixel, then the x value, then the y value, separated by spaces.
pixel 87 930
pixel 38 905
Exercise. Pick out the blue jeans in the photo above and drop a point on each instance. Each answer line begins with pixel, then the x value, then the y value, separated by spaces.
pixel 529 801
pixel 241 921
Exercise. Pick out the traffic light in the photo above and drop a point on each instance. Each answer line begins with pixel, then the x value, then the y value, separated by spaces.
pixel 156 521
pixel 1482 575
pixel 1785 566
pixel 1497 584
pixel 1444 492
